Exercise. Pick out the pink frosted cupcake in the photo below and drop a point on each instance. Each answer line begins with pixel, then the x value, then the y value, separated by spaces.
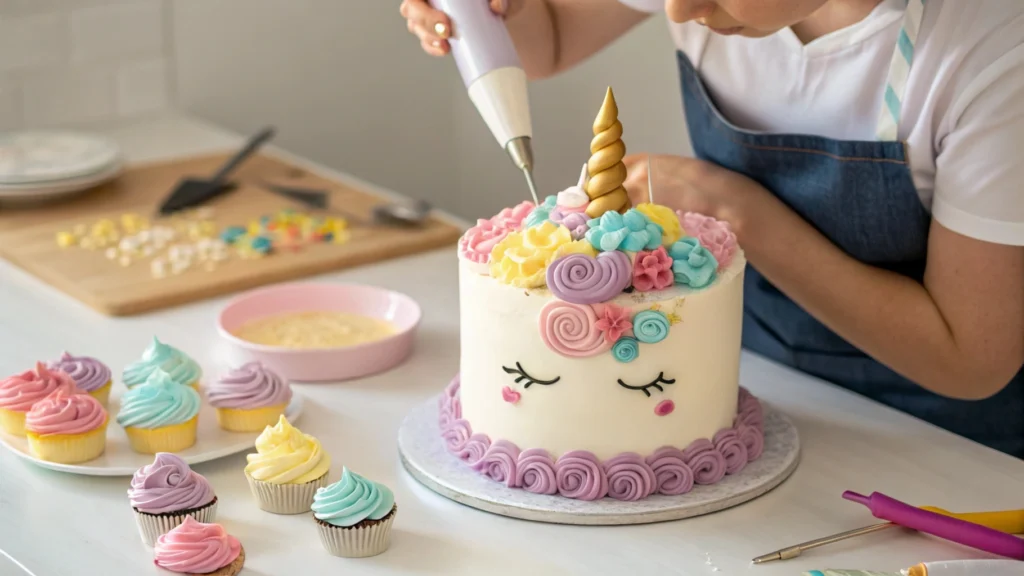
pixel 18 393
pixel 165 493
pixel 67 427
pixel 90 375
pixel 250 398
pixel 198 548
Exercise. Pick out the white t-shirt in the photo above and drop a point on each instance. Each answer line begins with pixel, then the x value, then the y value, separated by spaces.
pixel 963 112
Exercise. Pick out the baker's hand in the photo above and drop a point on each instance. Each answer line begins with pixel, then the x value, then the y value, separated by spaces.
pixel 433 27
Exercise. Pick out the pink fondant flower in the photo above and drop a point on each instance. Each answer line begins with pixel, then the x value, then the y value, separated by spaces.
pixel 512 218
pixel 652 270
pixel 715 235
pixel 614 322
pixel 476 244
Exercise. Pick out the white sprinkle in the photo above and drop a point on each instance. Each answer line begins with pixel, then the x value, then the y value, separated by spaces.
pixel 158 267
pixel 111 253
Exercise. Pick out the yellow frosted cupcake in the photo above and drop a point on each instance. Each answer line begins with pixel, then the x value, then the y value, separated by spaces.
pixel 160 415
pixel 287 469
pixel 90 375
pixel 67 427
pixel 19 392
pixel 159 356
pixel 250 398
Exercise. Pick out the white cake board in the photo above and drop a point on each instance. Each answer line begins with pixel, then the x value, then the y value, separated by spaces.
pixel 425 457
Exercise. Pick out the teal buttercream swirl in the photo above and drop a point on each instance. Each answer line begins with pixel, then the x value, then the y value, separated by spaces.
pixel 629 232
pixel 181 368
pixel 157 403
pixel 351 500
pixel 650 326
pixel 626 349
pixel 540 214
pixel 692 264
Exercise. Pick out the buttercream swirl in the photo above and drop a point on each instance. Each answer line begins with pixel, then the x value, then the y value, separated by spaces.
pixel 708 464
pixel 580 475
pixel 692 264
pixel 19 392
pixel 629 232
pixel 88 373
pixel 168 485
pixel 626 349
pixel 753 440
pixel 541 214
pixel 285 455
pixel 665 218
pixel 499 462
pixel 715 235
pixel 479 241
pixel 570 329
pixel 65 412
pixel 535 472
pixel 196 548
pixel 671 472
pixel 181 368
pixel 522 257
pixel 650 326
pixel 512 218
pixel 474 448
pixel 573 199
pixel 252 385
pixel 351 500
pixel 581 279
pixel 576 222
pixel 652 270
pixel 630 477
pixel 157 403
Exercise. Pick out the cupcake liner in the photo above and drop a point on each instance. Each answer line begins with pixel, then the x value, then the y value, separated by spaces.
pixel 254 420
pixel 69 448
pixel 12 421
pixel 368 538
pixel 152 526
pixel 285 498
pixel 174 438
pixel 102 393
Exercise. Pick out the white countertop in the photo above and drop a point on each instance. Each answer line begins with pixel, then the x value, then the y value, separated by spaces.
pixel 57 524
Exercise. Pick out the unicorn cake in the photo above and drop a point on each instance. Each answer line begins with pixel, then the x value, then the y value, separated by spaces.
pixel 601 343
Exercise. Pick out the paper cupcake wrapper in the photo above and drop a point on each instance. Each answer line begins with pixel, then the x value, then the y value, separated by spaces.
pixel 152 526
pixel 285 498
pixel 173 438
pixel 254 420
pixel 69 448
pixel 357 541
pixel 102 393
pixel 12 422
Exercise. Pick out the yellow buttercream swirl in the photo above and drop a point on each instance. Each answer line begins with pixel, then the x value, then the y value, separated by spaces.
pixel 522 258
pixel 575 247
pixel 284 455
pixel 671 230
pixel 607 172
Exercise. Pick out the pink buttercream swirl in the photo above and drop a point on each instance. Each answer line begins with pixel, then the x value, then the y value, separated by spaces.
pixel 652 270
pixel 512 218
pixel 707 463
pixel 19 392
pixel 65 412
pixel 168 485
pixel 499 462
pixel 478 242
pixel 196 548
pixel 615 322
pixel 474 448
pixel 579 475
pixel 671 472
pixel 570 330
pixel 535 472
pixel 630 477
pixel 583 279
pixel 729 444
pixel 250 386
pixel 715 235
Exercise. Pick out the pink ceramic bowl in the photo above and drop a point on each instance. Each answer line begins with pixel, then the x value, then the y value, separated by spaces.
pixel 330 363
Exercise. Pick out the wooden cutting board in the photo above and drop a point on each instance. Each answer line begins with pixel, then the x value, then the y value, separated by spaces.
pixel 28 236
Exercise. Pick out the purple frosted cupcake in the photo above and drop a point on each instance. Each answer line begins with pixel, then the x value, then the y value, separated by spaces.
pixel 250 398
pixel 166 492
pixel 90 375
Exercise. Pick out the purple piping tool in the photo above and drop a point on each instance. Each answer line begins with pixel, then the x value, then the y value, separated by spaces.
pixel 952 529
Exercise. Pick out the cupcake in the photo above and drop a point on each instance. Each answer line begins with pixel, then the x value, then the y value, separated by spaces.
pixel 18 393
pixel 287 469
pixel 90 375
pixel 67 427
pixel 196 548
pixel 165 493
pixel 160 416
pixel 354 516
pixel 181 368
pixel 249 398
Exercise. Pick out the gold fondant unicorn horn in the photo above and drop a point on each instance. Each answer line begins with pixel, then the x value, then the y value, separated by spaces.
pixel 607 172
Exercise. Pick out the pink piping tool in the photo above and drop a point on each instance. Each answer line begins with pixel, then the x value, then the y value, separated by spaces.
pixel 952 529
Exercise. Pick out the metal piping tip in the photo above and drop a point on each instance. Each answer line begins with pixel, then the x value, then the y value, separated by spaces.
pixel 532 185
pixel 767 558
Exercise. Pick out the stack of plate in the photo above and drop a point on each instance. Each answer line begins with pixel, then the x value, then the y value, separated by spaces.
pixel 48 165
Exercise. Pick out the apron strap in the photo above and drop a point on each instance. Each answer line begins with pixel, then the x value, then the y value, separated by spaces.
pixel 899 71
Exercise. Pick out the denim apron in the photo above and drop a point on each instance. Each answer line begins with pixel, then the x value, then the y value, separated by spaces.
pixel 861 196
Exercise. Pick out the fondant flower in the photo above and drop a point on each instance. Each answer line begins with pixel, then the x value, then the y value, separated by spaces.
pixel 629 232
pixel 576 222
pixel 663 216
pixel 692 264
pixel 650 326
pixel 583 279
pixel 522 257
pixel 512 218
pixel 626 349
pixel 652 270
pixel 715 235
pixel 571 330
pixel 478 242
pixel 614 322
pixel 540 214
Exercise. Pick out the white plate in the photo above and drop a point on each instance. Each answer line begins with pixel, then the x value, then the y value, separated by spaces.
pixel 120 460
pixel 42 191
pixel 27 157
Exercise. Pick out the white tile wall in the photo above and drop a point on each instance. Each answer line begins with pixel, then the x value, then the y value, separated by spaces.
pixel 68 62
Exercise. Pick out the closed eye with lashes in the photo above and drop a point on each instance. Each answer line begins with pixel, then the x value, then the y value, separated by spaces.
pixel 522 376
pixel 646 387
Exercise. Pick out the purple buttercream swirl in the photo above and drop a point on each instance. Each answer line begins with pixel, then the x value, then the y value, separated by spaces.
pixel 168 485
pixel 88 373
pixel 576 222
pixel 582 279
pixel 630 477
pixel 250 386
pixel 581 475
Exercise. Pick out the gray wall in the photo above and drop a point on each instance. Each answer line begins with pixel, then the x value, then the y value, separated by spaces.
pixel 347 86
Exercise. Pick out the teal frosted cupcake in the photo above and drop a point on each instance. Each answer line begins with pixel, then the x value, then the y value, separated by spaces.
pixel 179 366
pixel 354 516
pixel 160 415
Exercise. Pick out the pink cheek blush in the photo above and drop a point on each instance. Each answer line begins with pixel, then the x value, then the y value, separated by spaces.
pixel 510 395
pixel 664 408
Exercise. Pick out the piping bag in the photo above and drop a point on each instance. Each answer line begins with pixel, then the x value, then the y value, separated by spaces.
pixel 494 78
pixel 947 568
